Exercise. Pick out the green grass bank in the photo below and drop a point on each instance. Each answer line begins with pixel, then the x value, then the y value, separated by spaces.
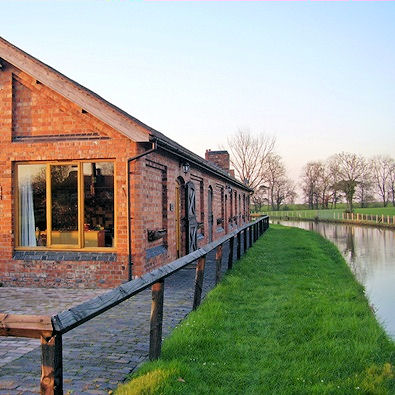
pixel 288 319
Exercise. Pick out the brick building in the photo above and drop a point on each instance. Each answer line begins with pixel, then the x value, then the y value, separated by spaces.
pixel 89 195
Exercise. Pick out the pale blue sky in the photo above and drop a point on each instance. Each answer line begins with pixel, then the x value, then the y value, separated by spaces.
pixel 320 76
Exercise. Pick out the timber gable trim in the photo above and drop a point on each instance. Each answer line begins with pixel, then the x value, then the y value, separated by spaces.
pixel 86 99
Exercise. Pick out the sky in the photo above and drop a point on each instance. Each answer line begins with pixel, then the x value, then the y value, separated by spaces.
pixel 319 76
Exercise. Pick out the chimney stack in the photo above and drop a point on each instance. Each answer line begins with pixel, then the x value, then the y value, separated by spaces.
pixel 219 158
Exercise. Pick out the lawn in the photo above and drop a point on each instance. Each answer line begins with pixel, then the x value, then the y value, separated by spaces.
pixel 288 319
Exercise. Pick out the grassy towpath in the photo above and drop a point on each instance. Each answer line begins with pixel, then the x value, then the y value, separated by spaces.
pixel 288 319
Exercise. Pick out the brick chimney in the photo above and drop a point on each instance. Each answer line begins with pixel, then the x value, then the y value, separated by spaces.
pixel 219 158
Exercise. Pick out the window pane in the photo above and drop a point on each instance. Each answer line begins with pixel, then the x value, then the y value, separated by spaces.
pixel 32 209
pixel 64 191
pixel 99 204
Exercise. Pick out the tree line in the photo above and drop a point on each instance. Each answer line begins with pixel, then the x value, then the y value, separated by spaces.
pixel 350 177
pixel 324 183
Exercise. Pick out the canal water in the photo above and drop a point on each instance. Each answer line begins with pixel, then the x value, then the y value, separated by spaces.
pixel 370 253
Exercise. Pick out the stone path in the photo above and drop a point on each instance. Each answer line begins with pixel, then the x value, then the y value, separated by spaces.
pixel 100 353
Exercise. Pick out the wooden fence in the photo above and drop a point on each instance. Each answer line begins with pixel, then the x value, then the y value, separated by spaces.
pixel 50 329
pixel 333 216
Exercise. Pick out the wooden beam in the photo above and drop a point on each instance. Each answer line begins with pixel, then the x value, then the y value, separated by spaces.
pixel 245 240
pixel 33 326
pixel 218 264
pixel 238 251
pixel 155 343
pixel 83 97
pixel 199 277
pixel 51 382
pixel 231 247
pixel 77 315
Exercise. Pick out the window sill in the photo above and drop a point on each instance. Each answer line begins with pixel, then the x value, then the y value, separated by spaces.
pixel 46 255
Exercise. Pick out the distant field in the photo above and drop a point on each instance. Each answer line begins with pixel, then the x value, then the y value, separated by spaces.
pixel 340 206
pixel 332 214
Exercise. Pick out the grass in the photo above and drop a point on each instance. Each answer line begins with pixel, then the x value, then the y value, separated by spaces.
pixel 288 319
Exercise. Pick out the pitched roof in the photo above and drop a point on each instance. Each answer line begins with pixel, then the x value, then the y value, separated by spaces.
pixel 99 107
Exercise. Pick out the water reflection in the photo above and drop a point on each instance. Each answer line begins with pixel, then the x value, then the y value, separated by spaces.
pixel 370 253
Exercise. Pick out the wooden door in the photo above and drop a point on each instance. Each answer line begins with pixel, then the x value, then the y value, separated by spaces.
pixel 192 224
pixel 210 214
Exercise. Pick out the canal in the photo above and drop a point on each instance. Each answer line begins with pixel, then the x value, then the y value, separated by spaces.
pixel 370 253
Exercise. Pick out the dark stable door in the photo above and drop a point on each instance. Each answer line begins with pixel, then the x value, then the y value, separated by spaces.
pixel 210 215
pixel 192 224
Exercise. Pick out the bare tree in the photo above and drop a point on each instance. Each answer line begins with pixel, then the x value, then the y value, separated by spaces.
pixel 333 168
pixel 283 192
pixel 351 170
pixel 310 183
pixel 380 167
pixel 391 182
pixel 248 155
pixel 280 188
pixel 364 190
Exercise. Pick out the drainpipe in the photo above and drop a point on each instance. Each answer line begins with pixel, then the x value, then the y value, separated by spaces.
pixel 154 148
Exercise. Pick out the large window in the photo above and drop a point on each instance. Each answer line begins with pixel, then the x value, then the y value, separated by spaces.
pixel 66 205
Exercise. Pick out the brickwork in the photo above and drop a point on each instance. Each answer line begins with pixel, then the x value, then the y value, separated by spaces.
pixel 219 158
pixel 38 124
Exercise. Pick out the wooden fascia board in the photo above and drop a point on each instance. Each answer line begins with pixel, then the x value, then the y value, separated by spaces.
pixel 99 108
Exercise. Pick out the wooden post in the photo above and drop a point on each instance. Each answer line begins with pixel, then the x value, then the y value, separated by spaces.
pixel 250 229
pixel 238 251
pixel 245 241
pixel 51 365
pixel 218 261
pixel 155 343
pixel 199 282
pixel 230 259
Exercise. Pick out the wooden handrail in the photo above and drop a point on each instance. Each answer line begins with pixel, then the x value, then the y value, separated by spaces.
pixel 50 329
pixel 32 326
pixel 71 318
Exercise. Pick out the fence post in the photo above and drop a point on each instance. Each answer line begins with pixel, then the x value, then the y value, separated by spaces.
pixel 199 282
pixel 155 343
pixel 218 261
pixel 250 236
pixel 51 365
pixel 230 258
pixel 238 251
pixel 245 240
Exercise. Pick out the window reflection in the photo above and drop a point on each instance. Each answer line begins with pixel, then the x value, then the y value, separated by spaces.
pixel 90 226
pixel 32 205
pixel 98 204
pixel 64 193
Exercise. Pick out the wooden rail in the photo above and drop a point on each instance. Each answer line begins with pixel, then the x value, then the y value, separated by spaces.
pixel 50 329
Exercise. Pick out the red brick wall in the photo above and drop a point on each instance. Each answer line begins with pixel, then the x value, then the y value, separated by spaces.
pixel 30 110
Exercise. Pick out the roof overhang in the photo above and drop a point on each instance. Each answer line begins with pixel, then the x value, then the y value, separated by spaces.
pixel 76 93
